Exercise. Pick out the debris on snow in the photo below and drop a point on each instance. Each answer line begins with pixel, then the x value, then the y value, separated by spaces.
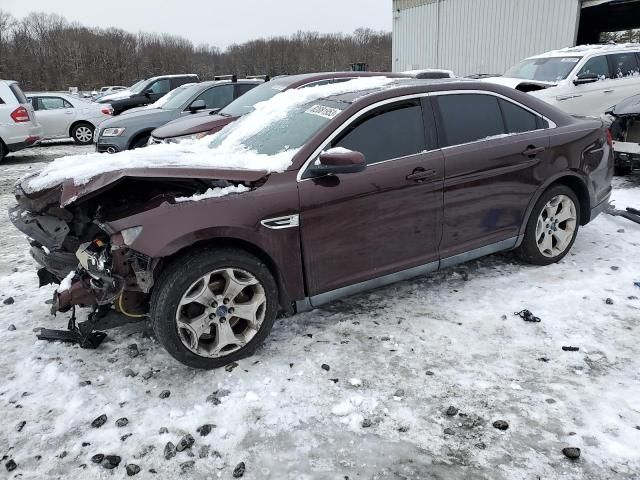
pixel 164 394
pixel 100 421
pixel 571 452
pixel 239 470
pixel 451 411
pixel 570 349
pixel 8 301
pixel 501 425
pixel 169 450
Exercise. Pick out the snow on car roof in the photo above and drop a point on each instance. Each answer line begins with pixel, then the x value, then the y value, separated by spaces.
pixel 231 154
pixel 585 50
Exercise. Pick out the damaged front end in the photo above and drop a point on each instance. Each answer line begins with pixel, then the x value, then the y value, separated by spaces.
pixel 68 228
pixel 625 131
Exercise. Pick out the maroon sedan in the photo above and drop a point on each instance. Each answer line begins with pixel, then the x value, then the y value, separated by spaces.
pixel 340 192
pixel 200 125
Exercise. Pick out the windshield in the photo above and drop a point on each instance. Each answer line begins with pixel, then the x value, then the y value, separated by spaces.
pixel 246 103
pixel 138 86
pixel 548 69
pixel 176 98
pixel 288 133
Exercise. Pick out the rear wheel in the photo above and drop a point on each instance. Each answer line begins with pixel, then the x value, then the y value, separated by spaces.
pixel 82 133
pixel 552 227
pixel 213 307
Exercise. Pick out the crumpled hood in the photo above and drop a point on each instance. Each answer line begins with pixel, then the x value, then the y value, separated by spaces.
pixel 202 122
pixel 68 192
pixel 629 106
pixel 517 82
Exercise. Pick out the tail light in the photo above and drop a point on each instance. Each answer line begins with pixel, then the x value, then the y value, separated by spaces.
pixel 107 110
pixel 20 114
pixel 609 138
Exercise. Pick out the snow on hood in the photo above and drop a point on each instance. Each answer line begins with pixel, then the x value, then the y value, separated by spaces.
pixel 118 96
pixel 514 82
pixel 230 154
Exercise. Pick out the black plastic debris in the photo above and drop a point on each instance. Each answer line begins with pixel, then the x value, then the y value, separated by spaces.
pixel 570 349
pixel 527 316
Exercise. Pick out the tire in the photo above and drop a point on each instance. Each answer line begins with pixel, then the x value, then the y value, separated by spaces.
pixel 82 133
pixel 140 142
pixel 180 295
pixel 536 248
pixel 3 151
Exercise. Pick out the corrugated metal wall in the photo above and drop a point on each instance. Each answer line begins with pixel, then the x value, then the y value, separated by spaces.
pixel 479 36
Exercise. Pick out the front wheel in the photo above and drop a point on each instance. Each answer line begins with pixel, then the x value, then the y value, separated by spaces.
pixel 82 133
pixel 213 307
pixel 552 227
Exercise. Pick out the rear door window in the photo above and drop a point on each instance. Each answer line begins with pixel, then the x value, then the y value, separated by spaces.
pixel 623 64
pixel 217 97
pixel 52 103
pixel 465 118
pixel 517 119
pixel 17 92
pixel 392 131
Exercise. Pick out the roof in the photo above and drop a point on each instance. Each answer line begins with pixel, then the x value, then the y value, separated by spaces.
pixel 174 76
pixel 585 50
pixel 406 4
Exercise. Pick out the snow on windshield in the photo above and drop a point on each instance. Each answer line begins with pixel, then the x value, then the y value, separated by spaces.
pixel 229 153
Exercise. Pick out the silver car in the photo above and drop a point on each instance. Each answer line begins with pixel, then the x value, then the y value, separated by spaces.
pixel 62 116
pixel 133 128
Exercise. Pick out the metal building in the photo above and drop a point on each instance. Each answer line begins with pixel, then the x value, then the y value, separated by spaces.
pixel 489 36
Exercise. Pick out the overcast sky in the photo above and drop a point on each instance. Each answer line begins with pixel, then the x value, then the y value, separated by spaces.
pixel 217 22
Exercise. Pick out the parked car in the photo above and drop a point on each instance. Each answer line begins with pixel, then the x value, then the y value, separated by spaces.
pixel 132 129
pixel 18 125
pixel 625 130
pixel 197 126
pixel 146 91
pixel 583 80
pixel 314 196
pixel 430 73
pixel 63 116
pixel 95 95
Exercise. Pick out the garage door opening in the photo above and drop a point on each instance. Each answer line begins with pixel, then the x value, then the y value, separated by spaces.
pixel 609 20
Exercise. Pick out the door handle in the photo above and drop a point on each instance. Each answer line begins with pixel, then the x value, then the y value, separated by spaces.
pixel 420 174
pixel 608 91
pixel 532 151
pixel 68 112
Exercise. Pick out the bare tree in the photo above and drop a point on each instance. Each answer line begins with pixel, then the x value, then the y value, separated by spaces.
pixel 47 52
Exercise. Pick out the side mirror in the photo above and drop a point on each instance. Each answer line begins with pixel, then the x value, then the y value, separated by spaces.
pixel 197 105
pixel 586 78
pixel 148 93
pixel 338 160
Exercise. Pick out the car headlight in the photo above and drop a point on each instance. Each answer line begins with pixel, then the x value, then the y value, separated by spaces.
pixel 194 136
pixel 112 132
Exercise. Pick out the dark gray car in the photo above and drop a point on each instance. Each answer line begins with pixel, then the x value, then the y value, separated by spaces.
pixel 132 129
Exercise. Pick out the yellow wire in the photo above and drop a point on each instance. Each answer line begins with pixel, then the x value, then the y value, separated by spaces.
pixel 128 314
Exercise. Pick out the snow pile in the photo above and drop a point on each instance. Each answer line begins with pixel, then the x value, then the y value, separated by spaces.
pixel 65 284
pixel 338 150
pixel 231 153
pixel 214 193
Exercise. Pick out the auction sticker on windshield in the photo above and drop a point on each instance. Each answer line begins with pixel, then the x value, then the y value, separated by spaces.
pixel 325 112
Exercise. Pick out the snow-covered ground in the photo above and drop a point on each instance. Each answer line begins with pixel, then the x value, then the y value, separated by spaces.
pixel 398 358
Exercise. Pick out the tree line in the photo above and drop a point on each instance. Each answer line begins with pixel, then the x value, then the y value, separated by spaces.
pixel 46 52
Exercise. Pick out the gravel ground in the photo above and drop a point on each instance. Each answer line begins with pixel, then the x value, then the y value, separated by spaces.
pixel 415 377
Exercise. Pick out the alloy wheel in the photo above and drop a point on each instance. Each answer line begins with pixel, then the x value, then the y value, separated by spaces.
pixel 221 312
pixel 84 134
pixel 556 226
